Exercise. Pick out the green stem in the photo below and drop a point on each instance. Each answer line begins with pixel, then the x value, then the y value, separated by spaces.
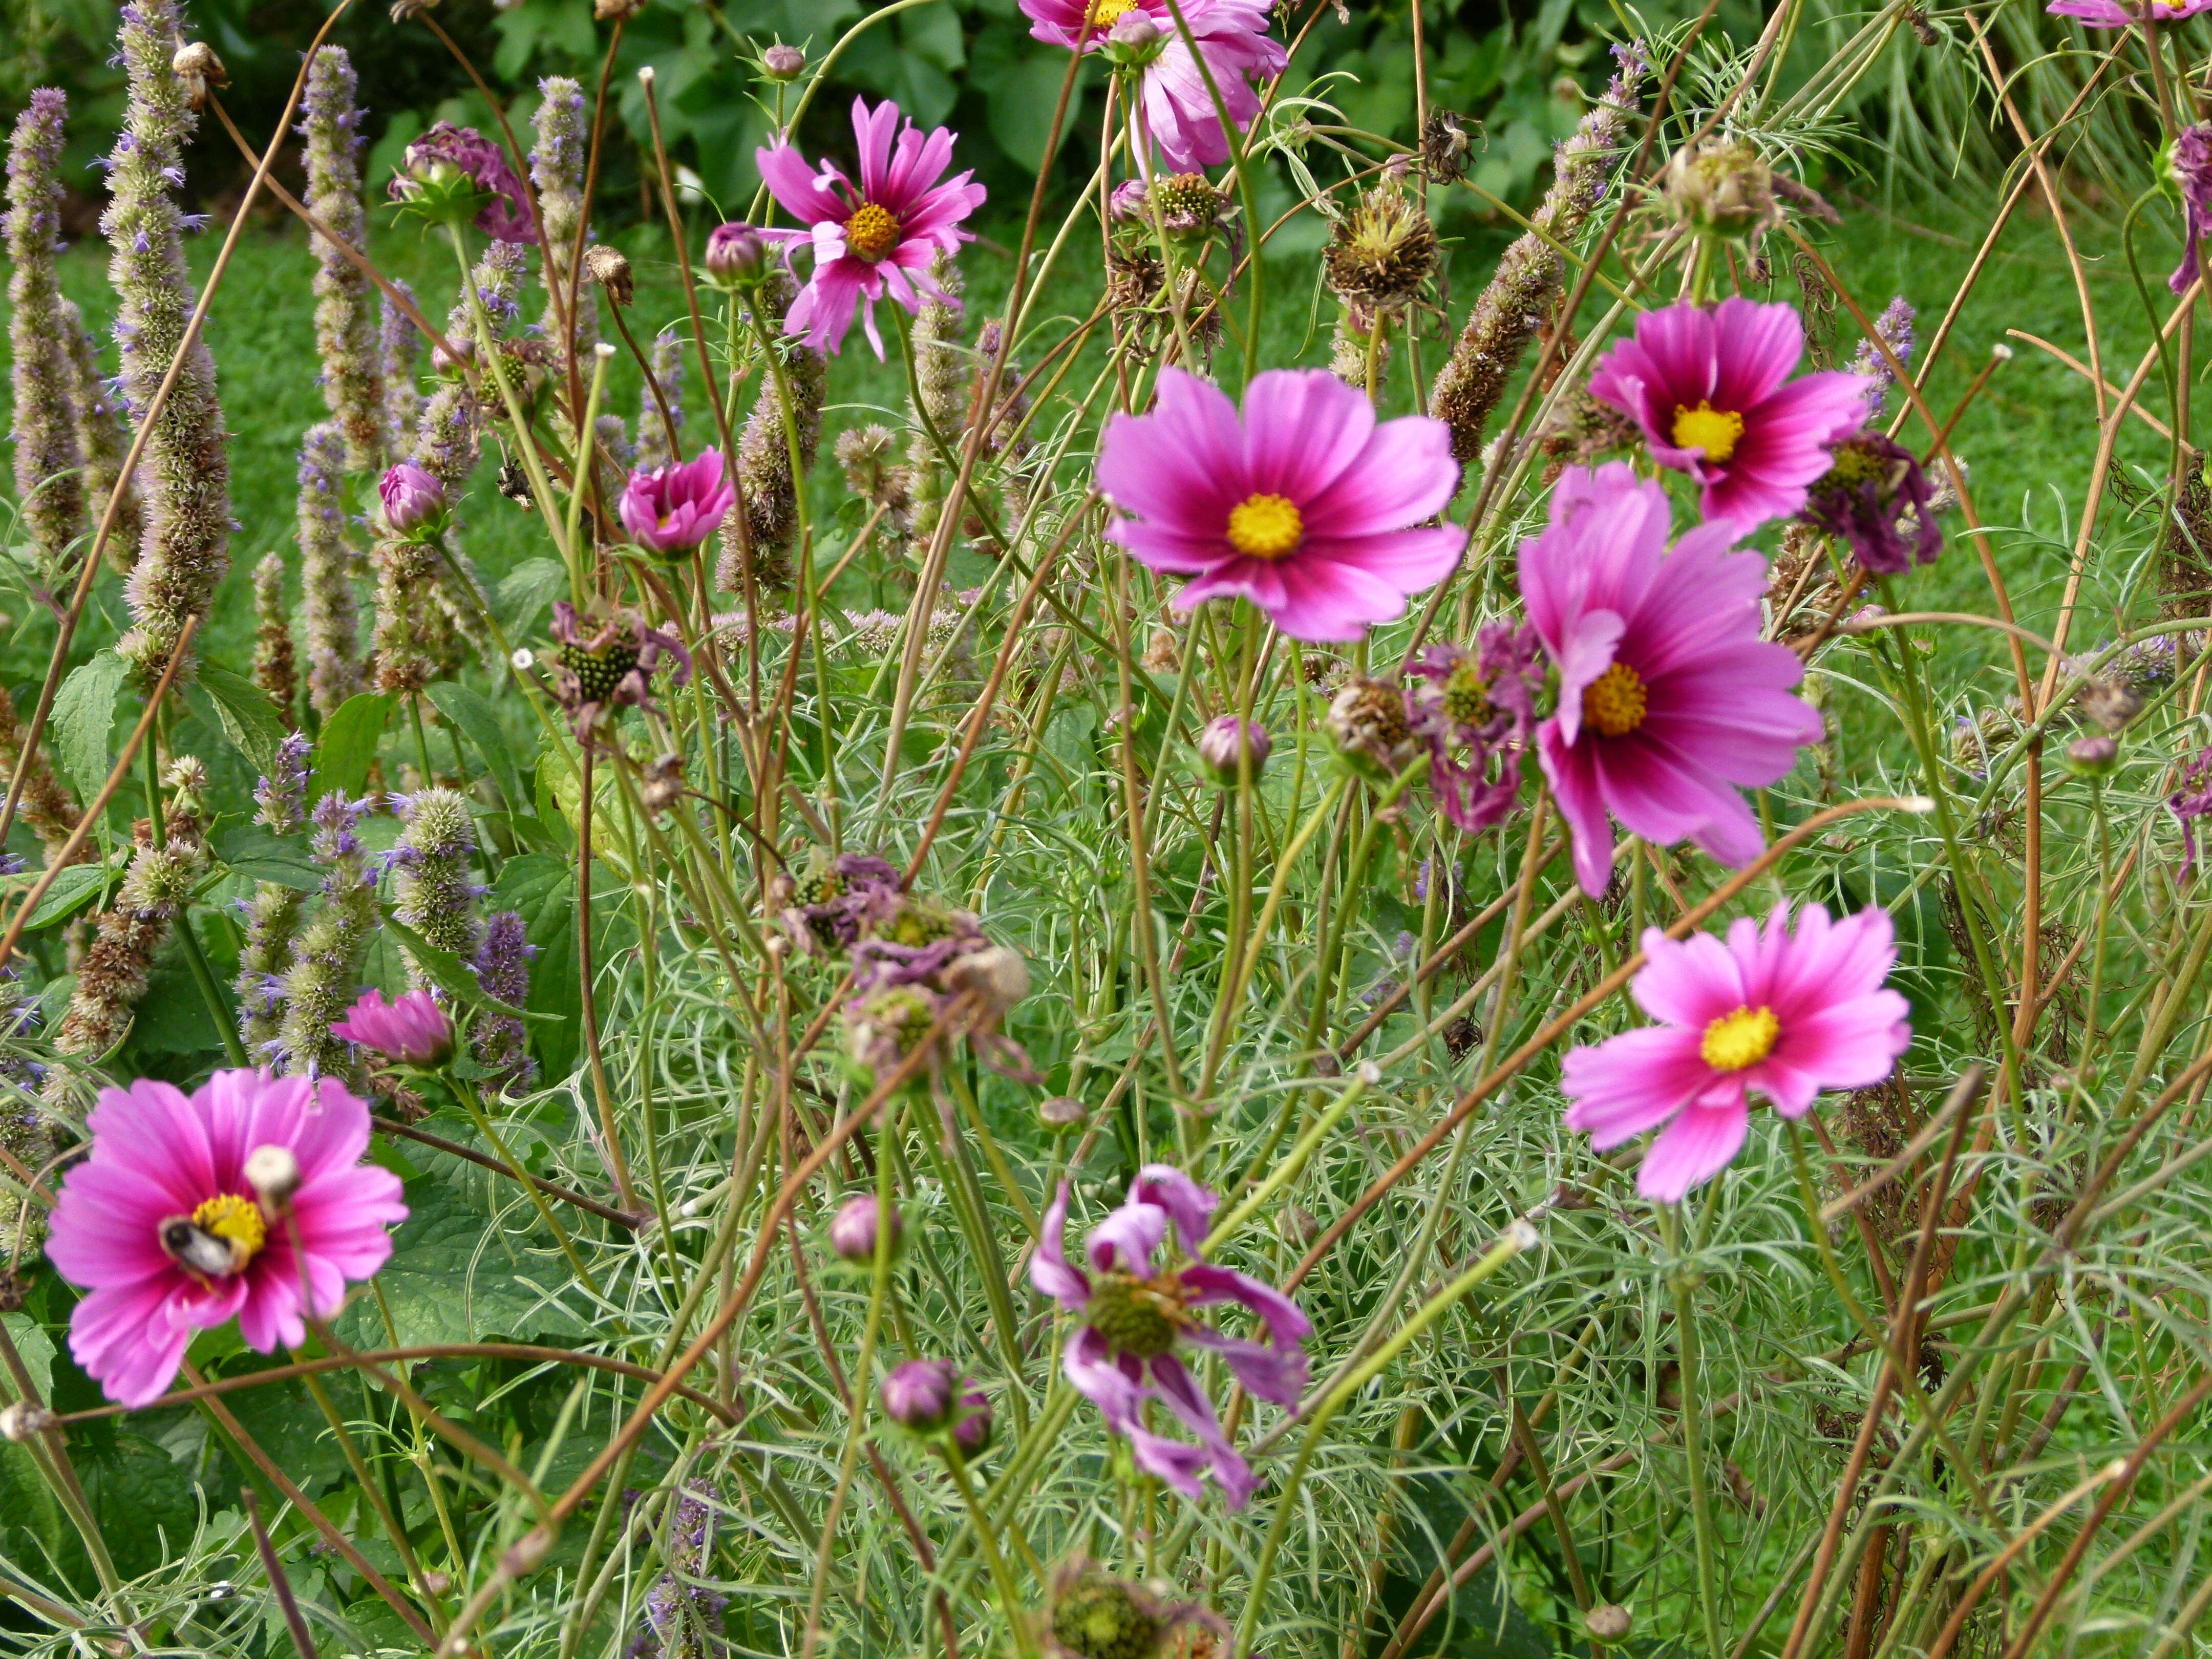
pixel 1693 1441
pixel 1010 1598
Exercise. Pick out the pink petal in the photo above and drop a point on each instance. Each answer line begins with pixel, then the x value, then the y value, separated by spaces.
pixel 1633 1082
pixel 1694 1148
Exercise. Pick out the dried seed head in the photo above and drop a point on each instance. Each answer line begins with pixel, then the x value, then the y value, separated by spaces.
pixel 1444 146
pixel 1722 189
pixel 608 268
pixel 1384 250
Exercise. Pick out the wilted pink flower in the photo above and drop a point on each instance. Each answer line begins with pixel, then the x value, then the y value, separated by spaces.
pixel 604 662
pixel 1134 1316
pixel 672 509
pixel 1306 506
pixel 876 237
pixel 2190 162
pixel 413 499
pixel 1710 387
pixel 412 1029
pixel 160 1223
pixel 1475 707
pixel 1177 112
pixel 2191 799
pixel 1669 702
pixel 2111 15
pixel 1866 496
pixel 1786 1013
pixel 446 149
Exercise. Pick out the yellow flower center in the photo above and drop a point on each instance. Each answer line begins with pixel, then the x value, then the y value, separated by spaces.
pixel 1265 527
pixel 871 232
pixel 1715 431
pixel 1613 701
pixel 236 1221
pixel 1105 14
pixel 1741 1039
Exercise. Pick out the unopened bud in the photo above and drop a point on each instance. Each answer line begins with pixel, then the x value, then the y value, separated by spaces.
pixel 920 1394
pixel 1226 742
pixel 2092 757
pixel 971 1429
pixel 273 1172
pixel 1062 1112
pixel 528 1551
pixel 1134 37
pixel 854 1230
pixel 1607 1623
pixel 782 62
pixel 2111 703
pixel 736 255
pixel 414 501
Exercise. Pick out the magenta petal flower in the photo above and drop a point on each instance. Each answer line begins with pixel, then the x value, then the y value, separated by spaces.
pixel 1135 1315
pixel 414 1030
pixel 1786 1013
pixel 2190 161
pixel 2111 15
pixel 874 238
pixel 1306 506
pixel 672 509
pixel 1710 387
pixel 413 499
pixel 1669 702
pixel 505 216
pixel 1176 111
pixel 160 1225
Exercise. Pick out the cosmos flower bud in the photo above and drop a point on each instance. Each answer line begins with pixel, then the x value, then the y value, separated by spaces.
pixel 1226 740
pixel 1607 1623
pixel 1368 725
pixel 413 502
pixel 1134 39
pixel 853 1232
pixel 273 1172
pixel 2092 757
pixel 921 1394
pixel 972 1430
pixel 736 255
pixel 1062 1112
pixel 782 62
pixel 1722 190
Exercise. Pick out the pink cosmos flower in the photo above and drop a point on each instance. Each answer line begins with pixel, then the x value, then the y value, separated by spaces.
pixel 1786 1013
pixel 2191 161
pixel 413 1030
pixel 1707 384
pixel 1306 506
pixel 414 501
pixel 2111 15
pixel 463 152
pixel 1177 110
pixel 874 238
pixel 672 509
pixel 1134 1316
pixel 1669 702
pixel 161 1226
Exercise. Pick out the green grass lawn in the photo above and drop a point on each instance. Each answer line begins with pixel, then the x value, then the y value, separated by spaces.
pixel 2027 439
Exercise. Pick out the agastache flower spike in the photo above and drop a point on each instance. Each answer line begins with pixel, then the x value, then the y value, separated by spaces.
pixel 272 920
pixel 765 483
pixel 275 665
pixel 502 967
pixel 346 319
pixel 667 361
pixel 556 168
pixel 401 345
pixel 1134 1314
pixel 49 479
pixel 334 668
pixel 282 797
pixel 103 442
pixel 431 889
pixel 186 471
pixel 326 962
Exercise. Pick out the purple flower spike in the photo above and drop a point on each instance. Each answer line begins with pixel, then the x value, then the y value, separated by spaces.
pixel 670 510
pixel 413 1031
pixel 1135 1314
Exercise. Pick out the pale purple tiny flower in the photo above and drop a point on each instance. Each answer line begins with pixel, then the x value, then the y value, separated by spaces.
pixel 1784 1012
pixel 670 510
pixel 413 1029
pixel 413 502
pixel 1135 1314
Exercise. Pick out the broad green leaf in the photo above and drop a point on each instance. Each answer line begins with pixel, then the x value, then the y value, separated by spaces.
pixel 35 1347
pixel 252 851
pixel 248 719
pixel 84 710
pixel 523 593
pixel 446 970
pixel 144 1502
pixel 73 888
pixel 1022 103
pixel 542 889
pixel 452 1279
pixel 480 725
pixel 348 745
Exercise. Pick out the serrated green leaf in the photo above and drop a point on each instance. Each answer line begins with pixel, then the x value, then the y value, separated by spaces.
pixel 348 745
pixel 248 719
pixel 446 970
pixel 541 888
pixel 252 851
pixel 84 710
pixel 72 889
pixel 524 592
pixel 480 726
pixel 448 1281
